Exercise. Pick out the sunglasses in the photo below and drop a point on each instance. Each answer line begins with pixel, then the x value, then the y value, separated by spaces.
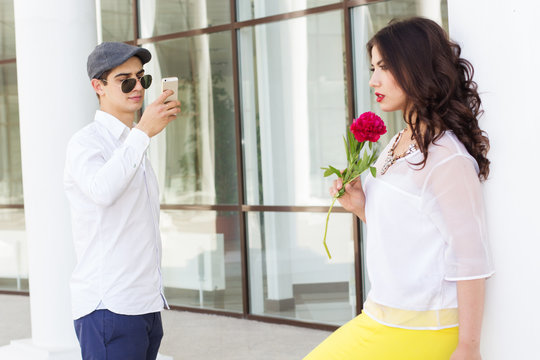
pixel 129 84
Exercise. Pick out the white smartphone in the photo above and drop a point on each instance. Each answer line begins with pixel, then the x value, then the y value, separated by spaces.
pixel 170 83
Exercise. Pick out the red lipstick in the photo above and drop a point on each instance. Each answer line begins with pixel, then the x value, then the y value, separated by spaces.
pixel 379 96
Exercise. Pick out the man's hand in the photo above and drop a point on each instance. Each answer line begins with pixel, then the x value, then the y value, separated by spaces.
pixel 158 114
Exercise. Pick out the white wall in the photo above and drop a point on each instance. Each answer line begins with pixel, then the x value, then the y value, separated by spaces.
pixel 501 39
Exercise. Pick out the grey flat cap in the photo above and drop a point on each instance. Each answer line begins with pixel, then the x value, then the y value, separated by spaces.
pixel 108 55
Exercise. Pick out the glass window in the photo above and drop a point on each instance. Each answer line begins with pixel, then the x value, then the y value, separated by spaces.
pixel 10 148
pixel 294 110
pixel 116 20
pixel 290 274
pixel 13 250
pixel 252 9
pixel 160 17
pixel 7 30
pixel 195 157
pixel 201 263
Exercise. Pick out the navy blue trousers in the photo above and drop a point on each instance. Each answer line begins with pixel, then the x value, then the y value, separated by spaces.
pixel 104 335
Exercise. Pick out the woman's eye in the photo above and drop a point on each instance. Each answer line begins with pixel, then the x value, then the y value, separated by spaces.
pixel 371 69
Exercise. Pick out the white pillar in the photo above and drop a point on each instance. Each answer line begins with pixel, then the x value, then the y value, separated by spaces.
pixel 53 40
pixel 430 9
pixel 500 38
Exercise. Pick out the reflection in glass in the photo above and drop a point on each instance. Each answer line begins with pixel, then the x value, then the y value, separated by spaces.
pixel 294 110
pixel 195 157
pixel 252 9
pixel 10 148
pixel 289 272
pixel 13 251
pixel 160 17
pixel 116 20
pixel 201 264
pixel 7 30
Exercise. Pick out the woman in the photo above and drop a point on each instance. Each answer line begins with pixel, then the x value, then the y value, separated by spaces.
pixel 427 251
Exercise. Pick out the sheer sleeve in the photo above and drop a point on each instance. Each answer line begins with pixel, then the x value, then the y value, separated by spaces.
pixel 452 199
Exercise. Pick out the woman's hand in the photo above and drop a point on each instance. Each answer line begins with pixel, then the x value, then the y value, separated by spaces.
pixel 353 199
pixel 465 352
pixel 471 295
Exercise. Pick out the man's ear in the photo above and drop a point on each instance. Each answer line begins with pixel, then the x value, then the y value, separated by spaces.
pixel 98 86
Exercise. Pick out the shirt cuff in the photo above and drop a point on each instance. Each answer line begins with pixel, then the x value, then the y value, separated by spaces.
pixel 138 140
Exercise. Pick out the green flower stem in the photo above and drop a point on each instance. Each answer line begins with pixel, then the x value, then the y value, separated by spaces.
pixel 338 195
pixel 326 227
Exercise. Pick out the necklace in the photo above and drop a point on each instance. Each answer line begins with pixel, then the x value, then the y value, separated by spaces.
pixel 391 158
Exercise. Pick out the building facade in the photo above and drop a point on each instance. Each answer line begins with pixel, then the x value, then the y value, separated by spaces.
pixel 267 90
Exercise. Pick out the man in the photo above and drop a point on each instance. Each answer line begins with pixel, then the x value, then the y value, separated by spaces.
pixel 113 194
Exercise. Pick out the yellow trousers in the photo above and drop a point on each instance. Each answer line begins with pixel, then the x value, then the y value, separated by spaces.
pixel 363 338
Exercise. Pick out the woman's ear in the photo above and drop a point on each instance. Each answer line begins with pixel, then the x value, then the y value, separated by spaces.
pixel 98 86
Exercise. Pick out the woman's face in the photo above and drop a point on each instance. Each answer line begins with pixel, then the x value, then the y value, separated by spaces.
pixel 388 93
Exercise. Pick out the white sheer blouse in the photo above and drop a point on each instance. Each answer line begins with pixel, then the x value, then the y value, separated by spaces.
pixel 425 230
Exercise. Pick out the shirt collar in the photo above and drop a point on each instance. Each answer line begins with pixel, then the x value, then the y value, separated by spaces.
pixel 112 124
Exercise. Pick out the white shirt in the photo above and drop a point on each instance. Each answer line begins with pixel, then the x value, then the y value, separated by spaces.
pixel 113 196
pixel 426 230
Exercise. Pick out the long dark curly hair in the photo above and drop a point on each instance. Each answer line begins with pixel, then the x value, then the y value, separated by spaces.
pixel 441 94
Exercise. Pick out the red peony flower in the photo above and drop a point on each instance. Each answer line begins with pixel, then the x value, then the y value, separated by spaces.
pixel 368 127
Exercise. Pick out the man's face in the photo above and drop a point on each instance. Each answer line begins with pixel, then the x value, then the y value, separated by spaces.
pixel 113 98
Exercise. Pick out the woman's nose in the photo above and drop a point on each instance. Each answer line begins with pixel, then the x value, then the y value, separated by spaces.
pixel 373 81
